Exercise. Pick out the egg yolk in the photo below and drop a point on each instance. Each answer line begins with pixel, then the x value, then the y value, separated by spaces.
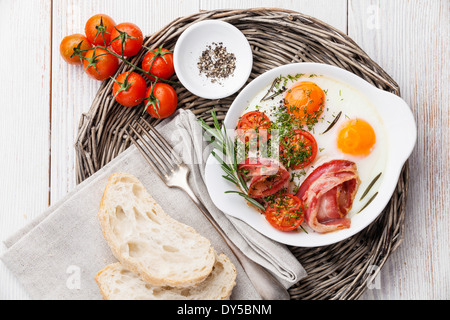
pixel 356 137
pixel 305 101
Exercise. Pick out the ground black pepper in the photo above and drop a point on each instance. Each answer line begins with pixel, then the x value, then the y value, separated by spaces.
pixel 216 63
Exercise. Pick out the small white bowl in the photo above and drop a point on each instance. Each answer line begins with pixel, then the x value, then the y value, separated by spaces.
pixel 189 47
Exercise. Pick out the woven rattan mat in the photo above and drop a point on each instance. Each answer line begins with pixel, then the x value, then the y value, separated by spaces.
pixel 277 37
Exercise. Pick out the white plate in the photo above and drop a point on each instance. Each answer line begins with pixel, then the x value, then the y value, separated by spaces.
pixel 401 134
pixel 189 47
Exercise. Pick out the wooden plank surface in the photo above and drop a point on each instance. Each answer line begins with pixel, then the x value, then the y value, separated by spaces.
pixel 409 39
pixel 24 124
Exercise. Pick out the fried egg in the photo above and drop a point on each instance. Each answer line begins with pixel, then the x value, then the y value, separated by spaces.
pixel 347 125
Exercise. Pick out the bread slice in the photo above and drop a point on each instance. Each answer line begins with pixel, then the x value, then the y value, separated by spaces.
pixel 147 241
pixel 117 283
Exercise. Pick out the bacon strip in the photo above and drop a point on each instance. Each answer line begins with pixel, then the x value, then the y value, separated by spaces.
pixel 328 194
pixel 267 176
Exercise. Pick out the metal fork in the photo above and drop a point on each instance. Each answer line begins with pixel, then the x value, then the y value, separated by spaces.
pixel 171 169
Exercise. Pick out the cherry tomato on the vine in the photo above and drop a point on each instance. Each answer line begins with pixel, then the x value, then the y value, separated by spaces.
pixel 161 100
pixel 127 36
pixel 100 64
pixel 99 27
pixel 69 43
pixel 129 89
pixel 160 63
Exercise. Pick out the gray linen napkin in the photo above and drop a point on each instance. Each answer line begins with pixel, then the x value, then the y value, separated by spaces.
pixel 58 254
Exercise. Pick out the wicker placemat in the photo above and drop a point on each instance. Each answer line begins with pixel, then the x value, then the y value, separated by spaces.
pixel 277 37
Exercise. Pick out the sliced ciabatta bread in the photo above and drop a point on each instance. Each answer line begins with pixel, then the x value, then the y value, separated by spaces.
pixel 147 241
pixel 117 283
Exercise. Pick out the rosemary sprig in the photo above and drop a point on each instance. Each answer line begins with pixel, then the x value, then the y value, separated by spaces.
pixel 368 202
pixel 333 123
pixel 225 145
pixel 274 83
pixel 251 200
pixel 281 80
pixel 370 186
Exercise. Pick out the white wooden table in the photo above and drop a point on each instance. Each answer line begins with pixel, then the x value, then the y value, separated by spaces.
pixel 42 100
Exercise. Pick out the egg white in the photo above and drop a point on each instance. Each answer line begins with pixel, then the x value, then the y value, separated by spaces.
pixel 353 104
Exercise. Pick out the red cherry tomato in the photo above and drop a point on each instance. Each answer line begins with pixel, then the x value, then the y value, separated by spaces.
pixel 126 36
pixel 69 43
pixel 254 126
pixel 161 100
pixel 94 27
pixel 129 89
pixel 285 212
pixel 100 64
pixel 160 64
pixel 298 149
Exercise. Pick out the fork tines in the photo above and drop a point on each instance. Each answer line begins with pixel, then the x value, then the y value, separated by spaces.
pixel 155 149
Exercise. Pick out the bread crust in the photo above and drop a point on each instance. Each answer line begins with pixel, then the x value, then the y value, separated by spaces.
pixel 139 266
pixel 222 280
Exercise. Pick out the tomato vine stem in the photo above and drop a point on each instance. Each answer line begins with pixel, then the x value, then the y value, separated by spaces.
pixel 79 52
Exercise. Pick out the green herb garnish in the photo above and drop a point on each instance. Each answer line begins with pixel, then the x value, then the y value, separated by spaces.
pixel 370 186
pixel 279 86
pixel 368 202
pixel 226 146
pixel 333 123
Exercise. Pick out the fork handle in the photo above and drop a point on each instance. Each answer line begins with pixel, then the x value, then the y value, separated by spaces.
pixel 268 287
